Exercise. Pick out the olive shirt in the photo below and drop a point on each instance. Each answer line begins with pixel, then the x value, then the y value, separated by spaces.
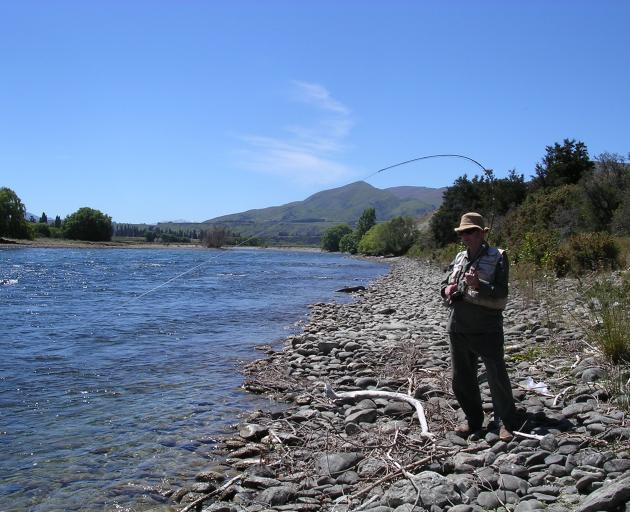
pixel 464 317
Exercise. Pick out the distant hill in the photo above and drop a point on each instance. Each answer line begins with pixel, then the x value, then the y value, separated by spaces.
pixel 426 194
pixel 305 221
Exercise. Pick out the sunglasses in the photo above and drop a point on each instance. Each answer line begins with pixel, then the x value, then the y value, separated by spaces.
pixel 469 231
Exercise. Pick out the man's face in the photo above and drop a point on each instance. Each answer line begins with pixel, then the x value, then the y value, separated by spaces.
pixel 472 238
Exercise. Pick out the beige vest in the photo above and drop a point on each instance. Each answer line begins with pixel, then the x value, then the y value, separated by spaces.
pixel 486 266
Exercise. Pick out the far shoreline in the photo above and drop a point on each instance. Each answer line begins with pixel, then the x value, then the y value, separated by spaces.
pixel 52 243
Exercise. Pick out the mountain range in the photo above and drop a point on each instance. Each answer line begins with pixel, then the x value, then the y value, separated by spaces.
pixel 305 221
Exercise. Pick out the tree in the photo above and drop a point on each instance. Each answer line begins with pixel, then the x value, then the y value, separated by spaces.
pixel 58 221
pixel 461 197
pixel 43 219
pixel 562 165
pixel 349 243
pixel 12 213
pixel 88 224
pixel 400 235
pixel 393 237
pixel 42 229
pixel 604 190
pixel 214 237
pixel 366 221
pixel 332 236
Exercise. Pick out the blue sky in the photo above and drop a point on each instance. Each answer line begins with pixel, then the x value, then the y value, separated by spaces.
pixel 163 110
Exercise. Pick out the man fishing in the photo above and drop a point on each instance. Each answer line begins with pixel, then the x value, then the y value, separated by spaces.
pixel 475 291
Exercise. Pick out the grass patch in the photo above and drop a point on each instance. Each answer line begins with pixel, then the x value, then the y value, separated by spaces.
pixel 610 315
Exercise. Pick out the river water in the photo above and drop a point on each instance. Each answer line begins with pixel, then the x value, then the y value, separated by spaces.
pixel 107 391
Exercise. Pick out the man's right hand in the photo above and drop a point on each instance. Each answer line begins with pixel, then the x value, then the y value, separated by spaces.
pixel 450 290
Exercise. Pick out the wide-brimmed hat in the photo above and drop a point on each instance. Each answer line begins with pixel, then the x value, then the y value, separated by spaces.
pixel 471 220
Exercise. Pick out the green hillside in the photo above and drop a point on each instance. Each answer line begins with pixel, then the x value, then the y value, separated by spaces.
pixel 304 221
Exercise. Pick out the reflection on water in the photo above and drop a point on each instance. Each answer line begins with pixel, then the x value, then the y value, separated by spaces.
pixel 104 396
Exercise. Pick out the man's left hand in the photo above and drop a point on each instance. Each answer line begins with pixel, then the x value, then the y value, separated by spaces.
pixel 472 279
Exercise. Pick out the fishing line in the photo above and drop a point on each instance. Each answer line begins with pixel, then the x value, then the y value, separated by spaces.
pixel 426 157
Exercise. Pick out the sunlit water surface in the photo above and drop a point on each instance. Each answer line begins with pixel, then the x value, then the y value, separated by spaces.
pixel 105 394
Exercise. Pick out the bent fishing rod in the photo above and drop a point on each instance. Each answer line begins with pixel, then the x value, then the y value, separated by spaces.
pixel 486 171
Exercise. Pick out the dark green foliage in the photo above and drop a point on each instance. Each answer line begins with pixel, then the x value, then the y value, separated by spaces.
pixel 557 210
pixel 42 229
pixel 562 165
pixel 56 232
pixel 537 247
pixel 12 212
pixel 484 194
pixel 332 236
pixel 373 242
pixel 349 243
pixel 393 237
pixel 169 238
pixel 586 252
pixel 88 224
pixel 58 221
pixel 150 235
pixel 43 219
pixel 620 222
pixel 366 221
pixel 214 237
pixel 604 190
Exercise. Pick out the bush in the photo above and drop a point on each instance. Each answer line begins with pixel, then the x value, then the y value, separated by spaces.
pixel 12 212
pixel 620 223
pixel 88 224
pixel 586 252
pixel 349 243
pixel 557 210
pixel 56 232
pixel 213 238
pixel 332 237
pixel 373 242
pixel 400 234
pixel 42 229
pixel 393 237
pixel 610 310
pixel 539 248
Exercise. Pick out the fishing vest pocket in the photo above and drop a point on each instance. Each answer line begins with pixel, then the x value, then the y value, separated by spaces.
pixel 473 297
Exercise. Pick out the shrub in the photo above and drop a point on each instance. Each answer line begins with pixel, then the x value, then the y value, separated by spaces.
pixel 349 243
pixel 393 237
pixel 332 236
pixel 610 311
pixel 88 224
pixel 400 234
pixel 373 242
pixel 42 229
pixel 213 238
pixel 620 223
pixel 586 252
pixel 536 247
pixel 557 210
pixel 12 212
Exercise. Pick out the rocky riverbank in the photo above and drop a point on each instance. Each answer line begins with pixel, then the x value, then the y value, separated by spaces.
pixel 314 453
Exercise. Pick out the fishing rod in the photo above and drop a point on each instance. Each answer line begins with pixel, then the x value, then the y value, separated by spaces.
pixel 487 172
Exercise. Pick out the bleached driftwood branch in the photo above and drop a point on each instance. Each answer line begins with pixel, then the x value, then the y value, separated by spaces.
pixel 389 395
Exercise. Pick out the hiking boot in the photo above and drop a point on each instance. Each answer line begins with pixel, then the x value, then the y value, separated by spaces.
pixel 465 429
pixel 505 434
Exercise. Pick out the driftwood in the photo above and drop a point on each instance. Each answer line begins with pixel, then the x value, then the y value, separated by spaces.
pixel 203 498
pixel 389 395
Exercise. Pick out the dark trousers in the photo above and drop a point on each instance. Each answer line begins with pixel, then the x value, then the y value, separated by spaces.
pixel 466 349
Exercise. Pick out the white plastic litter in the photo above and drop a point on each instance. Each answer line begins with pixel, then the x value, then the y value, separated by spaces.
pixel 539 387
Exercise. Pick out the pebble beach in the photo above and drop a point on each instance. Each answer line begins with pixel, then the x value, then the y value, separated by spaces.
pixel 309 452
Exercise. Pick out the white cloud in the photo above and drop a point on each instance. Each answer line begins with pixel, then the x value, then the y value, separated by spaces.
pixel 319 96
pixel 307 153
